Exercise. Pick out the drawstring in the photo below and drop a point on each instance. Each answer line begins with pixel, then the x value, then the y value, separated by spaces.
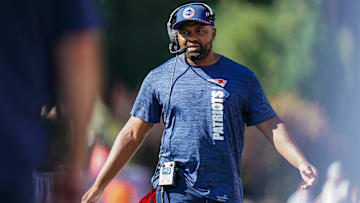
pixel 167 118
pixel 162 194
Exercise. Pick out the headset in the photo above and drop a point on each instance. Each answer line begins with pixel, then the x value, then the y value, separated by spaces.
pixel 174 46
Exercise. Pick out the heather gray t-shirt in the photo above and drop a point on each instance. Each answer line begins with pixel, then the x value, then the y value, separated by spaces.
pixel 205 121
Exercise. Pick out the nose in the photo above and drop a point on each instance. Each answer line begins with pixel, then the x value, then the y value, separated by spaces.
pixel 193 39
pixel 191 36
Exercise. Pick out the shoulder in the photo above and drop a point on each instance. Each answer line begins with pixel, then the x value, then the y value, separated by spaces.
pixel 237 69
pixel 160 72
pixel 162 69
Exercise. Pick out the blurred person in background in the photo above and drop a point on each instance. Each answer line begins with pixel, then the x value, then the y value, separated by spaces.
pixel 300 196
pixel 49 51
pixel 337 188
pixel 205 100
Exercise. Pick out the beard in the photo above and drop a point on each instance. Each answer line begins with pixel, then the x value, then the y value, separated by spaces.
pixel 199 54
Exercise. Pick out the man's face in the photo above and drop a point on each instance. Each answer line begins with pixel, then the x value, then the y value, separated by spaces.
pixel 197 38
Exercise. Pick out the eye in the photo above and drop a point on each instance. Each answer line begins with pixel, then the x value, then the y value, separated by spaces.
pixel 184 33
pixel 201 32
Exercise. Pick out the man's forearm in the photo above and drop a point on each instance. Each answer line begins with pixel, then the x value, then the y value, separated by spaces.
pixel 286 146
pixel 278 134
pixel 124 147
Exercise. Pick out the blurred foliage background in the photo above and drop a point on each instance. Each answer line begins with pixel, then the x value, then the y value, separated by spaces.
pixel 306 54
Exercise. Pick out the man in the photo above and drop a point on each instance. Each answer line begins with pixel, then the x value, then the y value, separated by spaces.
pixel 49 50
pixel 205 100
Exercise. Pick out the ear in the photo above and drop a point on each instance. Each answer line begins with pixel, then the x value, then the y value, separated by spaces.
pixel 178 34
pixel 214 33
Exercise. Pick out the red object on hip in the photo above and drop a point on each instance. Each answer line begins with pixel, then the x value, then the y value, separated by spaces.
pixel 149 197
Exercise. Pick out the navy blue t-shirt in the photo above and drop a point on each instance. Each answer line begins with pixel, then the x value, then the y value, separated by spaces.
pixel 30 31
pixel 205 121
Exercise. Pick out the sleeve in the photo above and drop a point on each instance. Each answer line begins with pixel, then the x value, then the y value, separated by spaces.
pixel 147 106
pixel 257 107
pixel 76 15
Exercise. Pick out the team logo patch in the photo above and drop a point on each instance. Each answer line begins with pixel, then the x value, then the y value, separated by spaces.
pixel 188 12
pixel 220 82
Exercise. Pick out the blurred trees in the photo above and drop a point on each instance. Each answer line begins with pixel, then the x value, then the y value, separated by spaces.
pixel 275 41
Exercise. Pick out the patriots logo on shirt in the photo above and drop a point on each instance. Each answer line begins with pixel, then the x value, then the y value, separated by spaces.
pixel 220 82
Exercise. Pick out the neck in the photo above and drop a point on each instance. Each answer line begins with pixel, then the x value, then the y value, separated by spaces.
pixel 210 59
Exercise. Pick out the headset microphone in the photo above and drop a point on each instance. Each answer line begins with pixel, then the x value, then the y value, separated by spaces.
pixel 177 50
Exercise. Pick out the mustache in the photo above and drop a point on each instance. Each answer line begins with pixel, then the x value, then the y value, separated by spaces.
pixel 187 43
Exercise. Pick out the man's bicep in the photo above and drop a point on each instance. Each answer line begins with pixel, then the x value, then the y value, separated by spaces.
pixel 267 127
pixel 147 105
pixel 138 126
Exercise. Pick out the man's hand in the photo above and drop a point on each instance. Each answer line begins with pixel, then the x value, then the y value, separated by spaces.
pixel 278 135
pixel 309 174
pixel 93 195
